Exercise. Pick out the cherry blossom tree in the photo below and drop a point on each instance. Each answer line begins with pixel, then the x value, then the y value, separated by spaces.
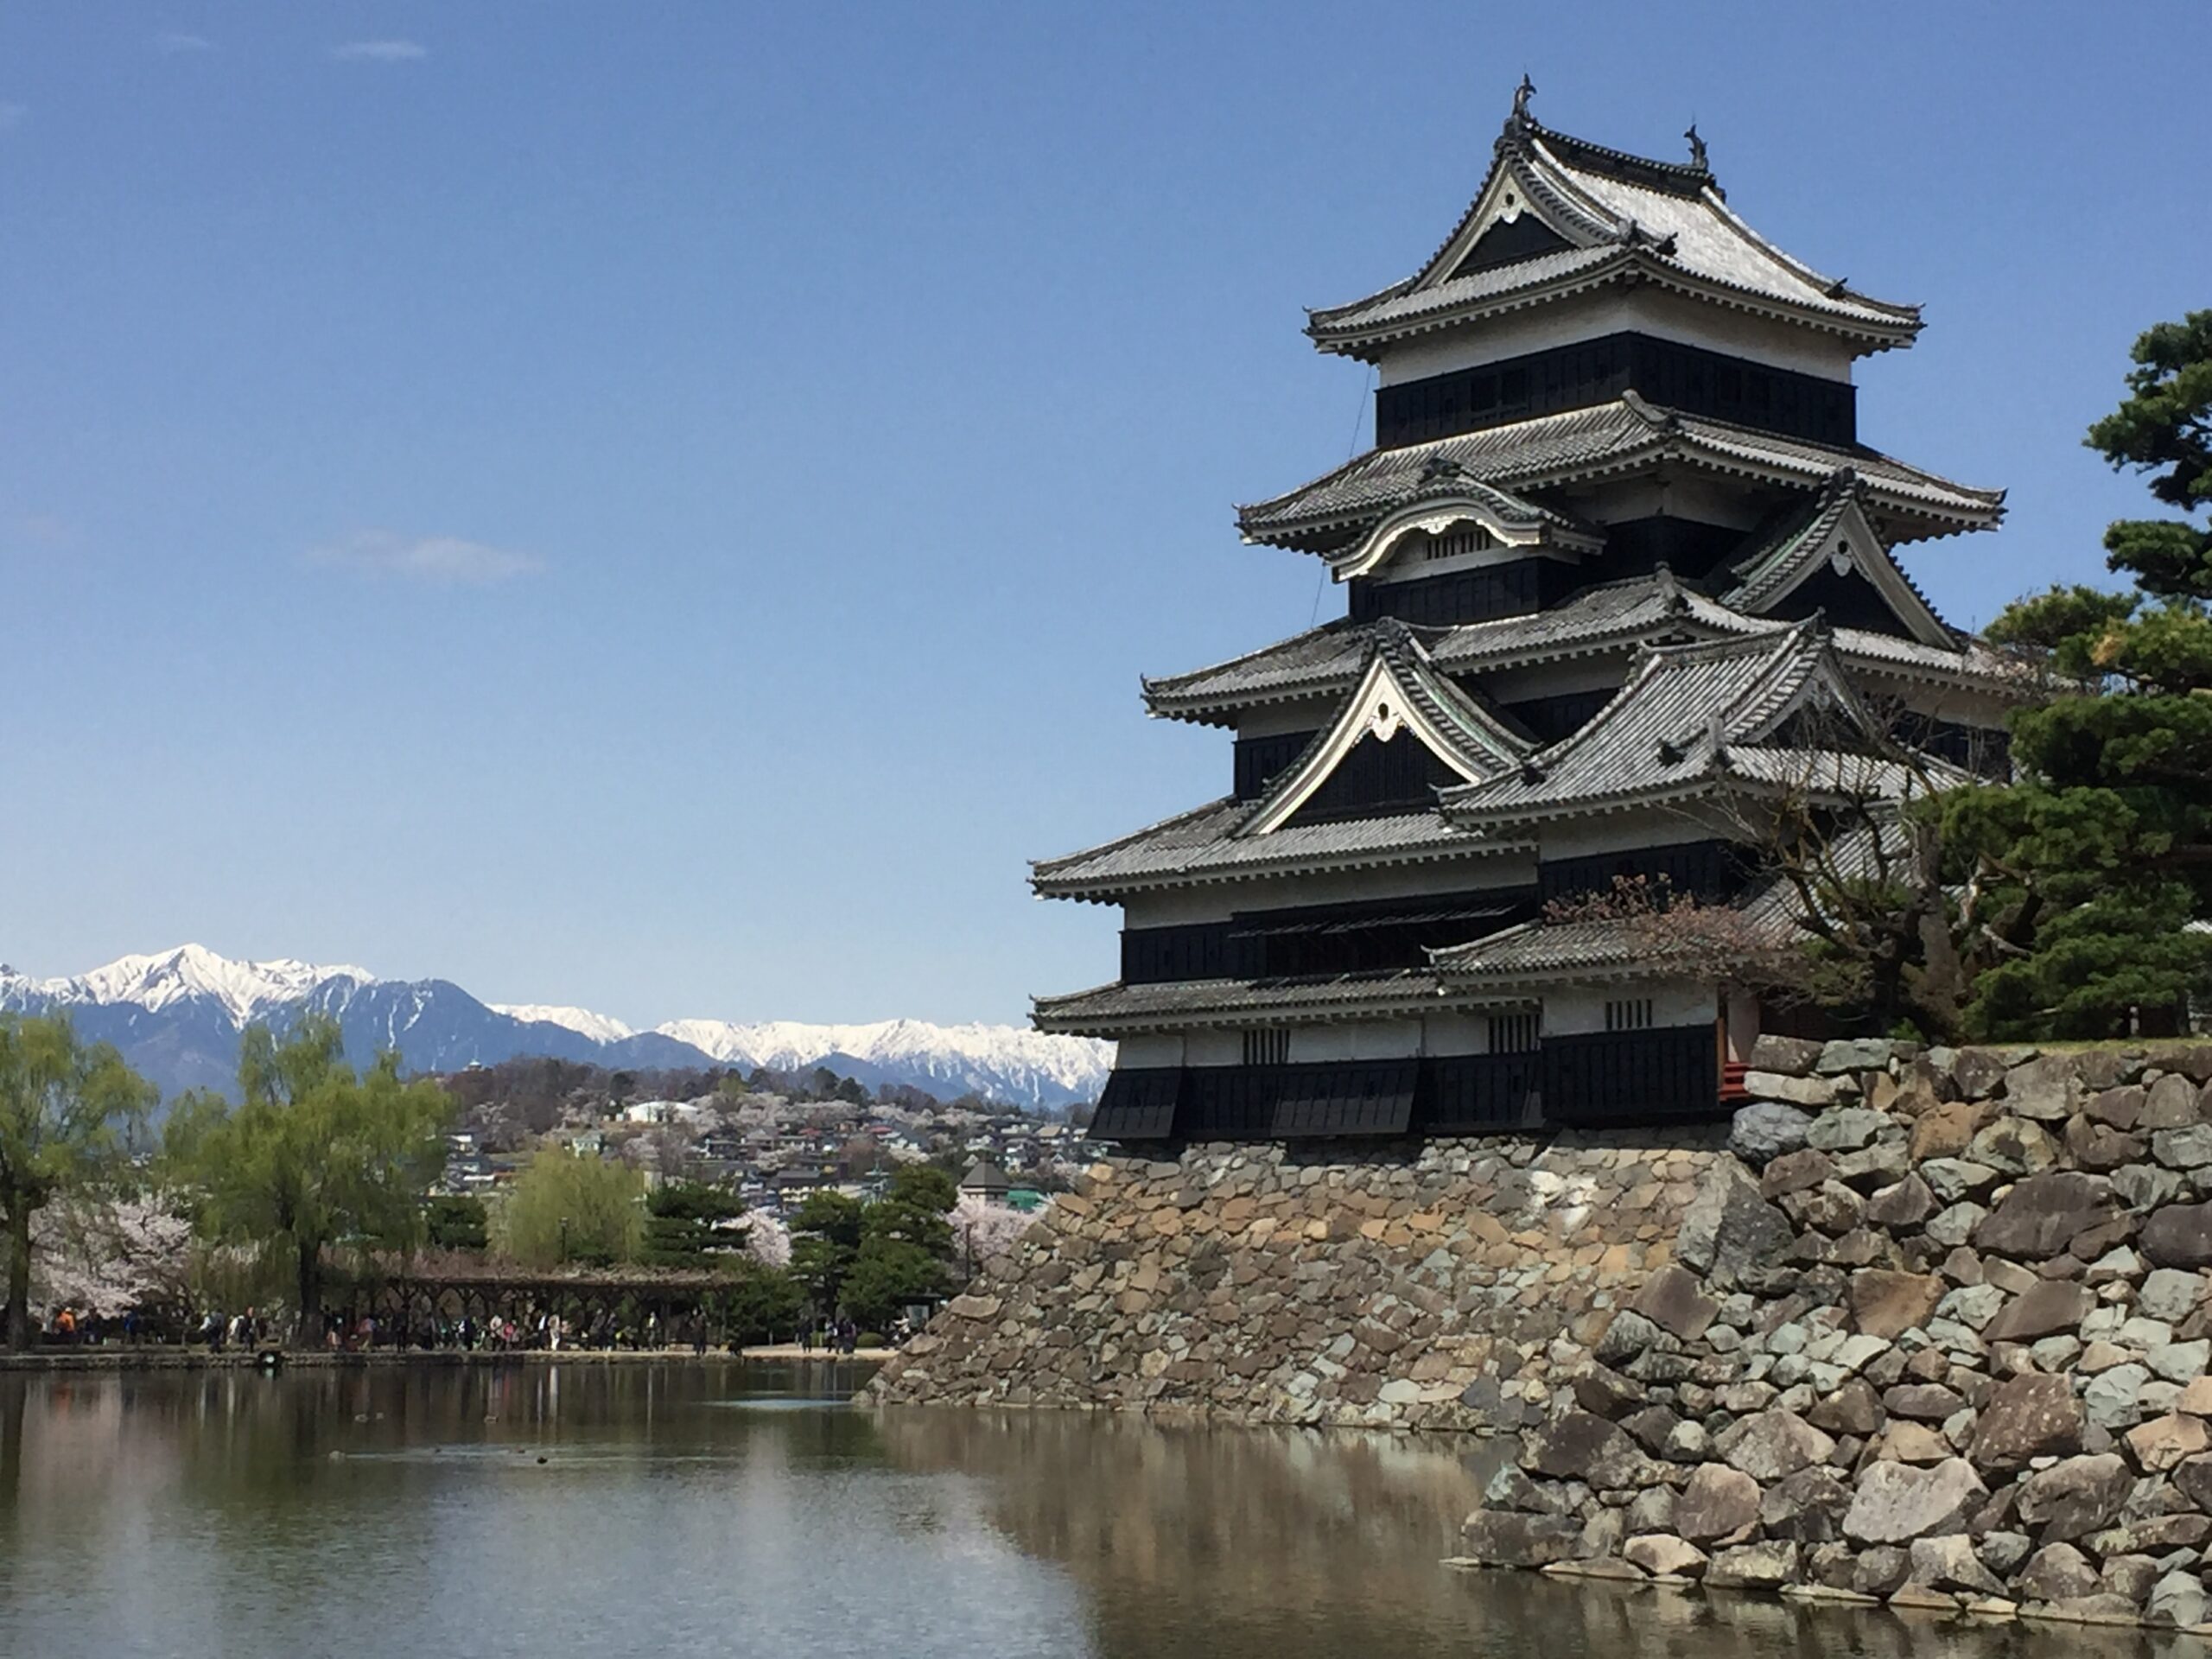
pixel 983 1229
pixel 107 1256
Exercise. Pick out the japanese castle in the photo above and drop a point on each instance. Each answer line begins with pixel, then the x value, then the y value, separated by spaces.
pixel 1618 569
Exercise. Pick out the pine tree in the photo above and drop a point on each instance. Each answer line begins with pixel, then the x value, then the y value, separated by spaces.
pixel 2101 854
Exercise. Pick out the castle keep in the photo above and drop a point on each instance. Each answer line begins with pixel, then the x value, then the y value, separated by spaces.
pixel 1619 578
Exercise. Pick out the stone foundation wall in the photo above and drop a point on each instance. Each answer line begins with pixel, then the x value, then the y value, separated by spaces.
pixel 1454 1285
pixel 1947 1346
pixel 1927 1326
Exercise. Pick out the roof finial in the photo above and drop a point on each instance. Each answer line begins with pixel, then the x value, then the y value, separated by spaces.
pixel 1522 94
pixel 1697 146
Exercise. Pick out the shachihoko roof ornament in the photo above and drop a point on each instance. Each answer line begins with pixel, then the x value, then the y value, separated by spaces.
pixel 1557 215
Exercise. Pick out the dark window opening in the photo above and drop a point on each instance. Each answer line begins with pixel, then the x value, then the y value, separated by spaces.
pixel 1589 373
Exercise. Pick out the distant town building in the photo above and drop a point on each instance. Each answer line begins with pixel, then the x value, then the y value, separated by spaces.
pixel 1619 575
pixel 986 1180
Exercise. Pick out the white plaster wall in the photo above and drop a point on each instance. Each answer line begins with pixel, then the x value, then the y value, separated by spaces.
pixel 1310 1045
pixel 1669 494
pixel 1213 1048
pixel 1455 1033
pixel 1623 832
pixel 1380 1040
pixel 1666 316
pixel 1217 902
pixel 1153 1048
pixel 1557 679
pixel 1306 715
pixel 1575 1010
pixel 1177 906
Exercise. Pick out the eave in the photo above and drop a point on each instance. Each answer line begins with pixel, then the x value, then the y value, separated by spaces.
pixel 1633 267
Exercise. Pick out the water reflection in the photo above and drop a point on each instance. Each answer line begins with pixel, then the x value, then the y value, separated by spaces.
pixel 720 1510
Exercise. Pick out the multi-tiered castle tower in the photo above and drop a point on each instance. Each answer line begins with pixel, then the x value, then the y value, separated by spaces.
pixel 1617 566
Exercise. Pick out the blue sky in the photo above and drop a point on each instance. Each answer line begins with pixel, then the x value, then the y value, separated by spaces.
pixel 666 509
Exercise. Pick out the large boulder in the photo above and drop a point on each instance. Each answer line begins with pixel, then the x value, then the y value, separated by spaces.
pixel 2194 1480
pixel 1765 1130
pixel 1772 1444
pixel 2015 1146
pixel 2045 1309
pixel 2178 1236
pixel 1901 1205
pixel 1845 1129
pixel 2177 1598
pixel 1766 1565
pixel 2074 1498
pixel 2026 1417
pixel 1729 1229
pixel 1603 1392
pixel 1664 1556
pixel 1584 1447
pixel 1808 1506
pixel 1944 1131
pixel 1718 1503
pixel 1504 1538
pixel 2049 1089
pixel 2114 1397
pixel 2163 1442
pixel 1894 1505
pixel 2170 1293
pixel 2056 1573
pixel 1852 1409
pixel 2170 1103
pixel 1796 1172
pixel 2041 1215
pixel 1794 1056
pixel 1854 1054
pixel 1886 1304
pixel 1673 1300
pixel 1949 1562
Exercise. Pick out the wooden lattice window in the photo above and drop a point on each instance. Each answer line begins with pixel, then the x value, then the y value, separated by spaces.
pixel 1269 1047
pixel 1513 1033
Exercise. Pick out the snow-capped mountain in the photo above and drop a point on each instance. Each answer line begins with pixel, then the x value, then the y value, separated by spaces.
pixel 1000 1061
pixel 243 989
pixel 176 1016
pixel 600 1028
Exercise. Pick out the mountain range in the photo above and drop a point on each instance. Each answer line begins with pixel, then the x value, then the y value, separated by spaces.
pixel 177 1017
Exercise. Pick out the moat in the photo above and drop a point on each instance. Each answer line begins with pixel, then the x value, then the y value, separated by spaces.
pixel 723 1508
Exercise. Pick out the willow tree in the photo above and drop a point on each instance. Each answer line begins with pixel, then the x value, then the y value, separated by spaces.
pixel 69 1113
pixel 565 1208
pixel 314 1155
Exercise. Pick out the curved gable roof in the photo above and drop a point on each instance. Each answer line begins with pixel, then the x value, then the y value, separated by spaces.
pixel 1619 217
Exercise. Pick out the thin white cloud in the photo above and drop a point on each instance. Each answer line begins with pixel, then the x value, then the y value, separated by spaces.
pixel 171 42
pixel 379 51
pixel 445 560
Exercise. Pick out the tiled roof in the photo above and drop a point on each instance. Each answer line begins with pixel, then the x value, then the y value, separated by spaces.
pixel 1677 727
pixel 1626 435
pixel 1446 495
pixel 1610 618
pixel 1557 950
pixel 1795 548
pixel 1623 218
pixel 1201 1001
pixel 1457 725
pixel 1204 845
pixel 1623 946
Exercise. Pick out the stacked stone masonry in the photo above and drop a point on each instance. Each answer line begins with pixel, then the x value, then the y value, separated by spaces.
pixel 1928 1327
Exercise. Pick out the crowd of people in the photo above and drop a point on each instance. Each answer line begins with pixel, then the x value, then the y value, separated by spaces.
pixel 355 1331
